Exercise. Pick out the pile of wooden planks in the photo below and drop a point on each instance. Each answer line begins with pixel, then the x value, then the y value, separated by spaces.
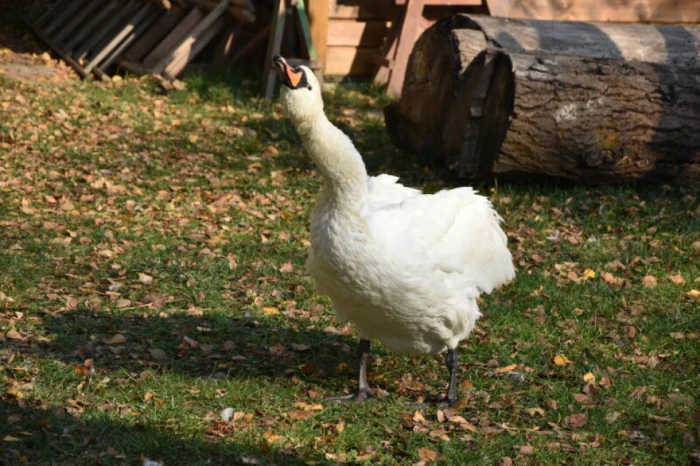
pixel 142 36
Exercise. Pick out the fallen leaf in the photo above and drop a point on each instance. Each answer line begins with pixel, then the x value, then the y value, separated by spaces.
pixel 9 438
pixel 580 397
pixel 561 360
pixel 588 377
pixel 612 417
pixel 117 339
pixel 693 294
pixel 588 273
pixel 533 411
pixel 418 417
pixel 288 267
pixel 576 420
pixel 677 335
pixel 145 278
pixel 158 354
pixel 527 450
pixel 649 281
pixel 13 335
pixel 506 369
pixel 677 279
pixel 507 461
pixel 426 454
pixel 270 311
pixel 122 303
pixel 298 347
pixel 148 396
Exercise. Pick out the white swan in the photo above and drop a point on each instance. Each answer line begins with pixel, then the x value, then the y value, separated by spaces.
pixel 404 267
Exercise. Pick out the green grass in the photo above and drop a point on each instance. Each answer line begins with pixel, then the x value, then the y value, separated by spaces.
pixel 157 214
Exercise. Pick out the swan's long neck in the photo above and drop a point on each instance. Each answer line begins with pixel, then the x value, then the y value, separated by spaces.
pixel 338 161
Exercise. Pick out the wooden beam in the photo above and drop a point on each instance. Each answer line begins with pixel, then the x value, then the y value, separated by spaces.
pixel 174 37
pixel 142 13
pixel 192 46
pixel 259 37
pixel 273 48
pixel 186 44
pixel 90 9
pixel 155 12
pixel 350 33
pixel 100 36
pixel 91 26
pixel 64 15
pixel 318 20
pixel 407 37
pixel 150 38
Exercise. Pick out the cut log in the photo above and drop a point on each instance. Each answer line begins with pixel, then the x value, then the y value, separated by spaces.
pixel 490 97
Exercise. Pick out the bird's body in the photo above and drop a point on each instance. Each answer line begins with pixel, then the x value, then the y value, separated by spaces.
pixel 403 266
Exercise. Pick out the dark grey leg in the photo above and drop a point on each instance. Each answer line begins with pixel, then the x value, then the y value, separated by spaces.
pixel 363 391
pixel 452 362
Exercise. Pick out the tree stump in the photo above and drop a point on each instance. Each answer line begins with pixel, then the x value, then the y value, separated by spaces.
pixel 491 97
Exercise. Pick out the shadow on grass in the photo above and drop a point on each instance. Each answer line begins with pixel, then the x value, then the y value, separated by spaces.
pixel 37 433
pixel 209 346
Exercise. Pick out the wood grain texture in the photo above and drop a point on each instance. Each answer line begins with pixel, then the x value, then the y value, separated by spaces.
pixel 362 9
pixel 624 11
pixel 350 61
pixel 318 11
pixel 589 117
pixel 352 33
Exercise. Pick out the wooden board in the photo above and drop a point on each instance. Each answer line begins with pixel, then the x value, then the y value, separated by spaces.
pixel 155 33
pixel 353 33
pixel 350 61
pixel 174 37
pixel 319 22
pixel 657 11
pixel 362 9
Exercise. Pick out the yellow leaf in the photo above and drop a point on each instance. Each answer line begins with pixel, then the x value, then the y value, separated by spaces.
pixel 116 339
pixel 588 273
pixel 270 311
pixel 561 360
pixel 533 411
pixel 588 377
pixel 9 438
pixel 148 395
pixel 418 417
pixel 694 294
pixel 505 370
pixel 192 138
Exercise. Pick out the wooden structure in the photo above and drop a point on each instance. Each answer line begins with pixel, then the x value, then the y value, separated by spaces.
pixel 591 102
pixel 274 44
pixel 143 36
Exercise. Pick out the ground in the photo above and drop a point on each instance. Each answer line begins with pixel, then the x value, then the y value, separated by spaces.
pixel 154 304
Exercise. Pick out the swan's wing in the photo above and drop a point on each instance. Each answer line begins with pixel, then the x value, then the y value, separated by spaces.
pixel 383 191
pixel 456 232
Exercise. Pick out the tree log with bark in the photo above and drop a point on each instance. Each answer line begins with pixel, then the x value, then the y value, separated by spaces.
pixel 594 103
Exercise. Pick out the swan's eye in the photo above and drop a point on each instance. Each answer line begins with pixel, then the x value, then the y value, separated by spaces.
pixel 308 87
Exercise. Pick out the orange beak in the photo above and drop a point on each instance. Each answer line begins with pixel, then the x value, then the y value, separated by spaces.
pixel 288 75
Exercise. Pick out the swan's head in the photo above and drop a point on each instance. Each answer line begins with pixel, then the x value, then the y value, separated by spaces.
pixel 301 93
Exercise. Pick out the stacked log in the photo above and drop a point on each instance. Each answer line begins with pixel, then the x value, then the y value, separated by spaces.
pixel 491 97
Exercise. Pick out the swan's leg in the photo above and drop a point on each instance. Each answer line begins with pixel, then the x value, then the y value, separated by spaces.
pixel 363 391
pixel 452 362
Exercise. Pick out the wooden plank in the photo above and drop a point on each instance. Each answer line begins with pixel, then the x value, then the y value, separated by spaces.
pixel 192 46
pixel 67 58
pixel 127 29
pixel 225 46
pixel 446 3
pixel 657 11
pixel 88 10
pixel 49 14
pixel 320 33
pixel 150 38
pixel 273 48
pixel 305 30
pixel 186 44
pixel 64 15
pixel 408 36
pixel 352 33
pixel 386 59
pixel 140 28
pixel 351 61
pixel 92 25
pixel 174 37
pixel 100 36
pixel 366 9
pixel 259 37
